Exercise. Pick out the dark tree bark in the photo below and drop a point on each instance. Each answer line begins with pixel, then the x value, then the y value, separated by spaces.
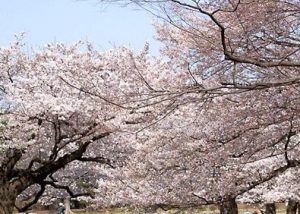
pixel 270 208
pixel 291 207
pixel 13 180
pixel 7 200
pixel 8 185
pixel 229 206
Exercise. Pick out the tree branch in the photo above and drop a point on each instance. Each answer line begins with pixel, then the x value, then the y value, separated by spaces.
pixel 36 198
pixel 97 160
pixel 67 189
pixel 12 156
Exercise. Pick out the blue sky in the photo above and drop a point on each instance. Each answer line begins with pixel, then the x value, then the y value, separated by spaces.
pixel 68 21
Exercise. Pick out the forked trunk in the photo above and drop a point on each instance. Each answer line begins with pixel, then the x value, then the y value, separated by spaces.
pixel 7 200
pixel 229 207
pixel 270 208
pixel 291 207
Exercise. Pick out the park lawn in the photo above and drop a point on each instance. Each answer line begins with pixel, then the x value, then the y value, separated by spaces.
pixel 280 209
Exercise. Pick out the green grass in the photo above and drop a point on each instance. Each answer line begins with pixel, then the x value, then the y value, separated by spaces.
pixel 280 209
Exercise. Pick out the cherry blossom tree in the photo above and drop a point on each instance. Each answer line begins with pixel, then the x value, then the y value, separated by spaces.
pixel 242 59
pixel 204 154
pixel 215 118
pixel 238 63
pixel 62 106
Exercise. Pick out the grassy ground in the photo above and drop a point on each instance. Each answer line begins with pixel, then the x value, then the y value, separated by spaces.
pixel 280 209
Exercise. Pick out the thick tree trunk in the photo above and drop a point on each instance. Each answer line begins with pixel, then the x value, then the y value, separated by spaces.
pixel 229 207
pixel 291 207
pixel 270 208
pixel 7 200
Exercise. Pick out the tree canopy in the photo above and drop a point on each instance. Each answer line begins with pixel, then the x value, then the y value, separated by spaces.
pixel 215 118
